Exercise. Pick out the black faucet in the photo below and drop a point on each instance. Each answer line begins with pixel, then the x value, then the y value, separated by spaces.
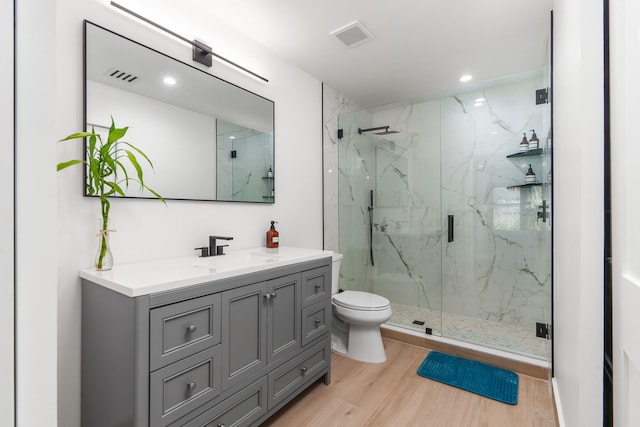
pixel 219 249
pixel 213 250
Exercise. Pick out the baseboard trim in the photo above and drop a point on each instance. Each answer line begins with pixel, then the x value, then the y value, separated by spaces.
pixel 522 367
pixel 557 405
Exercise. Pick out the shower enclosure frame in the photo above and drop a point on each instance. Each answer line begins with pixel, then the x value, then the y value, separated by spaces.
pixel 370 124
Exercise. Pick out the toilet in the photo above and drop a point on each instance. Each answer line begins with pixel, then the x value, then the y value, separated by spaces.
pixel 357 319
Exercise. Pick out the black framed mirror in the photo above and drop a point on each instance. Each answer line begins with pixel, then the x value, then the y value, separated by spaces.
pixel 208 139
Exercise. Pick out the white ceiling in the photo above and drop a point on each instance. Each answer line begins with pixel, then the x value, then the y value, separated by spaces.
pixel 420 49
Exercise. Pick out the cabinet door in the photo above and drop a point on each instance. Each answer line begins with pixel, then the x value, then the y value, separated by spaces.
pixel 244 318
pixel 283 316
pixel 316 285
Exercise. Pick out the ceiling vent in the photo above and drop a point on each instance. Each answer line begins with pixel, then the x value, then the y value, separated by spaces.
pixel 120 74
pixel 353 34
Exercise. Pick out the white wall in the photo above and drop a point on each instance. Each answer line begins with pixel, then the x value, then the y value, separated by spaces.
pixel 153 129
pixel 578 210
pixel 146 228
pixel 6 213
pixel 36 238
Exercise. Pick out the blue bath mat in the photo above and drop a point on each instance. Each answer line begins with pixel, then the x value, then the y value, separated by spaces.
pixel 485 380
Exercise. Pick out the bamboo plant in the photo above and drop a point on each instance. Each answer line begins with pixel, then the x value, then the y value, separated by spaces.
pixel 107 174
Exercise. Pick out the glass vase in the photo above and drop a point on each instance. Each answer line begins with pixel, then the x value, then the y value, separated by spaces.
pixel 104 258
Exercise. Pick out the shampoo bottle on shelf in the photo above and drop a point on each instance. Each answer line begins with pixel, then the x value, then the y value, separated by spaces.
pixel 524 144
pixel 273 237
pixel 530 177
pixel 534 142
pixel 270 172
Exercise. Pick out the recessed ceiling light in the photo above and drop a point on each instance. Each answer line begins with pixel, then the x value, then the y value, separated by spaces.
pixel 478 104
pixel 480 99
pixel 169 81
pixel 232 137
pixel 466 78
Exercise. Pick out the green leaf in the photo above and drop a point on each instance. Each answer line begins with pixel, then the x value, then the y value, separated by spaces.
pixel 134 162
pixel 115 133
pixel 139 151
pixel 76 136
pixel 155 194
pixel 92 145
pixel 65 165
pixel 115 187
pixel 124 171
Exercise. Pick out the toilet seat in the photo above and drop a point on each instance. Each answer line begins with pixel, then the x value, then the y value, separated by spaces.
pixel 363 301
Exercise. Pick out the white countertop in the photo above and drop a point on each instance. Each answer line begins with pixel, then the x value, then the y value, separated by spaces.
pixel 147 277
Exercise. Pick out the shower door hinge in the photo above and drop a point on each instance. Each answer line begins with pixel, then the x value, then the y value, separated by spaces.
pixel 340 133
pixel 542 96
pixel 543 330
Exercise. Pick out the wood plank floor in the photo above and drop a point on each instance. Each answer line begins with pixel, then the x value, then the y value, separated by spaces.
pixel 392 394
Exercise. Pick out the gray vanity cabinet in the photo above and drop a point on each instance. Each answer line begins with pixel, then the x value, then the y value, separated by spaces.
pixel 228 352
pixel 244 315
pixel 283 316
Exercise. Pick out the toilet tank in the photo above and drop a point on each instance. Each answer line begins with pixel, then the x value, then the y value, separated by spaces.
pixel 336 261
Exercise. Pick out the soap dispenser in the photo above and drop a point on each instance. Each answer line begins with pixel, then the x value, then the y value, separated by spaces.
pixel 273 237
pixel 524 144
pixel 530 177
pixel 534 142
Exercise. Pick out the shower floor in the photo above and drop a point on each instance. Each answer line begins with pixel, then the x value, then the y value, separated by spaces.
pixel 511 338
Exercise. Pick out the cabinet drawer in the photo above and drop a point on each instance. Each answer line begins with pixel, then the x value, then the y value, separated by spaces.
pixel 182 329
pixel 241 409
pixel 286 379
pixel 316 285
pixel 316 321
pixel 181 387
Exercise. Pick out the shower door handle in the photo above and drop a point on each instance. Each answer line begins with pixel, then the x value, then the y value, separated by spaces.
pixel 450 228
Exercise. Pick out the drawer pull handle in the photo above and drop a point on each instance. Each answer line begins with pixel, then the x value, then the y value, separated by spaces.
pixel 191 328
pixel 317 321
pixel 303 370
pixel 317 286
pixel 191 385
pixel 273 295
pixel 220 425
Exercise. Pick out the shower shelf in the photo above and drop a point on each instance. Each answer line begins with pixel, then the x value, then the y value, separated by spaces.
pixel 535 184
pixel 536 152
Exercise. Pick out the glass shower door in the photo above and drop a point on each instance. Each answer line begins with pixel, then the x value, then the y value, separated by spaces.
pixel 496 245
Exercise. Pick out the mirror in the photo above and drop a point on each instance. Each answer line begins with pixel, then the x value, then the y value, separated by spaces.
pixel 207 138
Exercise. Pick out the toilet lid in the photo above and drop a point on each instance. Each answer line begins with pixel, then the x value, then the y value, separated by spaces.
pixel 360 300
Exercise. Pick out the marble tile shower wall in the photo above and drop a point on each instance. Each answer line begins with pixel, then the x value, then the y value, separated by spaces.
pixel 499 266
pixel 242 178
pixel 449 158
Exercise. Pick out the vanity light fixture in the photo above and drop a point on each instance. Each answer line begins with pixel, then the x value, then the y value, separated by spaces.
pixel 202 53
pixel 465 78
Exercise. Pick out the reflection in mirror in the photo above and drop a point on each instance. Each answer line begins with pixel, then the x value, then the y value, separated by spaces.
pixel 244 166
pixel 182 118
